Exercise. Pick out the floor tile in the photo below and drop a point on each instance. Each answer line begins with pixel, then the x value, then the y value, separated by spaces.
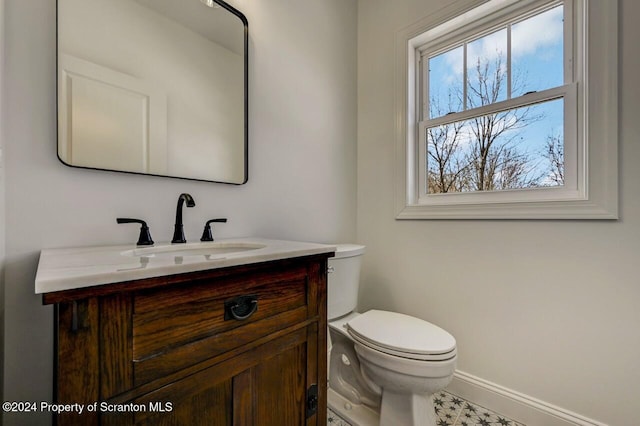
pixel 475 415
pixel 447 408
pixel 335 420
pixel 451 410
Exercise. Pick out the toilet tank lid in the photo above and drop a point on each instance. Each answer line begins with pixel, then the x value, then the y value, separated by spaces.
pixel 348 250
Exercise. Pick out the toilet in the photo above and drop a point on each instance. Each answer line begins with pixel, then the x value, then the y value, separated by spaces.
pixel 383 366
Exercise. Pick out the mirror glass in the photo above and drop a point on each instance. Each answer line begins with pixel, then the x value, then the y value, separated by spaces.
pixel 154 87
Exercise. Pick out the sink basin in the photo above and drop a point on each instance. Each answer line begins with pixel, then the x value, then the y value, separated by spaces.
pixel 193 249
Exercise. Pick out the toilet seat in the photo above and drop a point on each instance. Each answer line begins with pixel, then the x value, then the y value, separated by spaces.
pixel 402 336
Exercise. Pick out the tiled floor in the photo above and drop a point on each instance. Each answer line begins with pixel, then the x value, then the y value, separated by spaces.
pixel 335 420
pixel 451 410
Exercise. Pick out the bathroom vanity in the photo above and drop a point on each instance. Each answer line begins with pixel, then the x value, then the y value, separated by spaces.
pixel 197 335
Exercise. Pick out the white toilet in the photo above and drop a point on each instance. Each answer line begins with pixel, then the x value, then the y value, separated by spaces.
pixel 383 366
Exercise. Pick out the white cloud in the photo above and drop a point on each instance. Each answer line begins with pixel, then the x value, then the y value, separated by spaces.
pixel 527 37
pixel 538 32
pixel 488 47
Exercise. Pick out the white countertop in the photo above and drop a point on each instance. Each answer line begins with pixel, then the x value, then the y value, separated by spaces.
pixel 72 268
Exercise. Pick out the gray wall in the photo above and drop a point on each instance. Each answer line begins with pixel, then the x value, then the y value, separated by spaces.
pixel 546 308
pixel 302 156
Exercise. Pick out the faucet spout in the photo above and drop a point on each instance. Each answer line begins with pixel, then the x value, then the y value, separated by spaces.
pixel 178 232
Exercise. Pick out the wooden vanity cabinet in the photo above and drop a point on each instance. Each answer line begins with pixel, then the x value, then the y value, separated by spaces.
pixel 168 350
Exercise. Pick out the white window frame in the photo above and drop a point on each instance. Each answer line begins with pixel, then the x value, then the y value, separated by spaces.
pixel 590 191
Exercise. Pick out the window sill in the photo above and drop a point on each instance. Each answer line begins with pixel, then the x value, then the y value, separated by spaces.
pixel 525 210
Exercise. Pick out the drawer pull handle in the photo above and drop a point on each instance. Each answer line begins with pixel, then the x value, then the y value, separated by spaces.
pixel 240 308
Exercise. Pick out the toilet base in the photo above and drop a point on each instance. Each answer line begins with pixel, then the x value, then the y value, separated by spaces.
pixel 402 409
pixel 355 414
pixel 416 410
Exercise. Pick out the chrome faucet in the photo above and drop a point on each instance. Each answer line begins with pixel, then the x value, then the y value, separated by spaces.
pixel 178 232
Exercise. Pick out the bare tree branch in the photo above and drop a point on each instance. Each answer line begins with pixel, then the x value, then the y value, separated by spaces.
pixel 482 153
pixel 554 153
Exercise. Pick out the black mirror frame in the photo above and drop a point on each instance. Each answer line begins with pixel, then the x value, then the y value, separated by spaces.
pixel 245 23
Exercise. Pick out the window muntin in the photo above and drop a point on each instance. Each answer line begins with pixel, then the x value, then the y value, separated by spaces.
pixel 490 79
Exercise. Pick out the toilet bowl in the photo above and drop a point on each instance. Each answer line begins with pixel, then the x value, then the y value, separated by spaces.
pixel 383 366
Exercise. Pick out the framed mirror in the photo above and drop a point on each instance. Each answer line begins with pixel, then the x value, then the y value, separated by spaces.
pixel 156 87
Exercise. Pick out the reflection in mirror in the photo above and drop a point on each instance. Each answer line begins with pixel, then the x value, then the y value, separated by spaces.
pixel 154 87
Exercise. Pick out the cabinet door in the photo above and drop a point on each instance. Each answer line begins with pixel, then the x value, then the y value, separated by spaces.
pixel 286 385
pixel 263 387
pixel 280 388
pixel 203 399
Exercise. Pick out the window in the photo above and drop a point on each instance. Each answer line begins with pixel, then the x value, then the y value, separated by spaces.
pixel 496 121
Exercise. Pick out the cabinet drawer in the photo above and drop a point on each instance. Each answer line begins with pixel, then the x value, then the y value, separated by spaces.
pixel 178 326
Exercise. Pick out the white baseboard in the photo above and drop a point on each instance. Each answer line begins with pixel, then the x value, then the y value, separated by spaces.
pixel 515 405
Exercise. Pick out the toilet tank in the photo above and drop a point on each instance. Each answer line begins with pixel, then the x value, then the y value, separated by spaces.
pixel 343 280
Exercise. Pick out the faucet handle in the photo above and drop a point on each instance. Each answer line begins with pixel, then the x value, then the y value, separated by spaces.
pixel 145 236
pixel 206 234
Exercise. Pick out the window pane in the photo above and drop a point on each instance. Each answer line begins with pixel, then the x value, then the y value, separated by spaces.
pixel 445 83
pixel 487 69
pixel 537 52
pixel 515 149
